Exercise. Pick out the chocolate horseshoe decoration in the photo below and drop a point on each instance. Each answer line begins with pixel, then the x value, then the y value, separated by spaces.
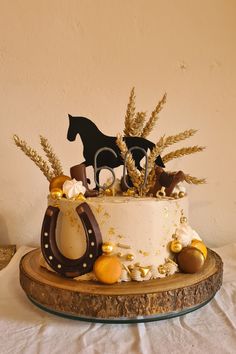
pixel 71 268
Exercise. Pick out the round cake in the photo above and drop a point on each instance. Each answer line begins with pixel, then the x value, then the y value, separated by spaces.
pixel 139 231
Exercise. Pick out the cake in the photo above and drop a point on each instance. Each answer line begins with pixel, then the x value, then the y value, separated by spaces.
pixel 131 228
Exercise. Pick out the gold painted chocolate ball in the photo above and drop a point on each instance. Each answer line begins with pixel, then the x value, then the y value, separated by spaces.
pixel 175 246
pixel 107 247
pixel 58 181
pixel 200 245
pixel 56 193
pixel 190 260
pixel 181 194
pixel 107 269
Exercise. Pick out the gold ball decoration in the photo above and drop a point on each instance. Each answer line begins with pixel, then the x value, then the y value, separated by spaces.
pixel 130 257
pixel 183 220
pixel 200 245
pixel 175 246
pixel 56 193
pixel 107 247
pixel 58 181
pixel 107 269
pixel 190 260
pixel 181 194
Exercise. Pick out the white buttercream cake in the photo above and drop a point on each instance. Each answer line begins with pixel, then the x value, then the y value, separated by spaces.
pixel 140 231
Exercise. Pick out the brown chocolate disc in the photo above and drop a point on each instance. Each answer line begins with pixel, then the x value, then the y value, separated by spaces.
pixel 190 260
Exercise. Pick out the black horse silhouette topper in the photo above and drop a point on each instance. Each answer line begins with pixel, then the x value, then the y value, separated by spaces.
pixel 93 140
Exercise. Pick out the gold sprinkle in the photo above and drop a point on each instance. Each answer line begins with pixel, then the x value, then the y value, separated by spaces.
pixel 99 208
pixel 130 257
pixel 144 253
pixel 111 231
pixel 126 268
pixel 120 255
pixel 144 271
pixel 122 245
pixel 162 269
pixel 106 215
pixel 131 266
pixel 183 219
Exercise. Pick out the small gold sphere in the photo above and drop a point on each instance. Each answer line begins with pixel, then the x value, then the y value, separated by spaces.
pixel 56 193
pixel 175 246
pixel 181 194
pixel 162 269
pixel 107 247
pixel 183 219
pixel 130 257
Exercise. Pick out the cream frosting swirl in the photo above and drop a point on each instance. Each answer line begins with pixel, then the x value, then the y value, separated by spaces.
pixel 72 188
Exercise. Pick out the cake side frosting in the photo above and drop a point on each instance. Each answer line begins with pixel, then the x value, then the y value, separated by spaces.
pixel 139 229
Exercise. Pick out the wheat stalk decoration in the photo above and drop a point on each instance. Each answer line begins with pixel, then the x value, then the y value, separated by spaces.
pixel 182 152
pixel 34 156
pixel 154 117
pixel 130 113
pixel 133 172
pixel 137 125
pixel 52 158
pixel 194 180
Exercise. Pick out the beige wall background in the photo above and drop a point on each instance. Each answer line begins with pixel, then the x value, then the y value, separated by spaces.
pixel 83 57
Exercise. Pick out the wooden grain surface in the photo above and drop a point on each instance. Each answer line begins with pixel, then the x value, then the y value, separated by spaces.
pixel 91 298
pixel 6 254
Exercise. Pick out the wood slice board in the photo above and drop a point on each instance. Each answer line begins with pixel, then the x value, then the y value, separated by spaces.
pixel 122 302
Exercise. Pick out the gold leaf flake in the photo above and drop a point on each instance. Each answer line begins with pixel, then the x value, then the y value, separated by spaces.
pixel 111 231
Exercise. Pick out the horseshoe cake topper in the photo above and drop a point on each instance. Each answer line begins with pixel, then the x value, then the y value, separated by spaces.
pixel 71 268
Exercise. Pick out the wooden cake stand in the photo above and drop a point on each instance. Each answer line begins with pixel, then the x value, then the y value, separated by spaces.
pixel 122 302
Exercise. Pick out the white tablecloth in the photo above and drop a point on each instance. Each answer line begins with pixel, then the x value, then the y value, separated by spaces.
pixel 25 328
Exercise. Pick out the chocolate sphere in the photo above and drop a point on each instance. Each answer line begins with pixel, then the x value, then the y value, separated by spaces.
pixel 190 260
